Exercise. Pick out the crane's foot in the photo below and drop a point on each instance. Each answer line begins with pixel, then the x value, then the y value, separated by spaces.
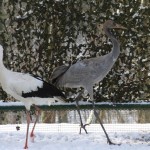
pixel 84 128
pixel 111 143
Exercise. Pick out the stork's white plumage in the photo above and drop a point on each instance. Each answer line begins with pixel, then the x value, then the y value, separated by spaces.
pixel 29 89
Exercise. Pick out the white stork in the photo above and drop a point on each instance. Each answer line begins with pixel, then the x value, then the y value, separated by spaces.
pixel 28 89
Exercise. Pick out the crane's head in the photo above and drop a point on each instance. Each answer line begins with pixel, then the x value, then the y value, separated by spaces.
pixel 111 24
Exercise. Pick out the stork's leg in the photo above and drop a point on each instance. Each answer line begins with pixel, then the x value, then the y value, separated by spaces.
pixel 28 123
pixel 78 110
pixel 37 112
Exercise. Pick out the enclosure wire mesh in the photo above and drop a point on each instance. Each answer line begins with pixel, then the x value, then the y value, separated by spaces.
pixel 68 121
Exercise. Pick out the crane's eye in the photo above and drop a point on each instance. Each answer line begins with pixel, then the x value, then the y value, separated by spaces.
pixel 114 24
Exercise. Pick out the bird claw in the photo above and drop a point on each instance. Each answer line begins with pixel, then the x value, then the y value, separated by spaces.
pixel 32 136
pixel 25 147
pixel 111 143
pixel 83 127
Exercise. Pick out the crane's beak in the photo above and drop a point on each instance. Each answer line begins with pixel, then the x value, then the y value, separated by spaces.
pixel 119 26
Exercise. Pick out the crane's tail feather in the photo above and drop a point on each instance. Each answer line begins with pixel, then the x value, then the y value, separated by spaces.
pixel 57 73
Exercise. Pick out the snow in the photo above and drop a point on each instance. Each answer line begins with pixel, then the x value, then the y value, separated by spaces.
pixel 141 102
pixel 66 137
pixel 10 103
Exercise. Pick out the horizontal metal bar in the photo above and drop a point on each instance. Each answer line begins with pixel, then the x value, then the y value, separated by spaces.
pixel 72 106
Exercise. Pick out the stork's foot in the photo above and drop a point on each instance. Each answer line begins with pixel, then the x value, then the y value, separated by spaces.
pixel 26 147
pixel 32 136
pixel 83 127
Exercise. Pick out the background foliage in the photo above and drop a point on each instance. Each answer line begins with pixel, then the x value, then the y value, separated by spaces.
pixel 40 35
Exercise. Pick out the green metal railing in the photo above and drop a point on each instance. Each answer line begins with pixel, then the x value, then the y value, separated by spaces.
pixel 87 106
pixel 67 113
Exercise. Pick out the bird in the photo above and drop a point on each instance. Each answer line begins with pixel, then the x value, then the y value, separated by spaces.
pixel 30 90
pixel 87 72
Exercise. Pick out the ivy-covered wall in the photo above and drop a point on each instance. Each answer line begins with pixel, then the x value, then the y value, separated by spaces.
pixel 40 35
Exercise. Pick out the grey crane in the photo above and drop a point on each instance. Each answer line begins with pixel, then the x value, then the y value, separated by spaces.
pixel 87 72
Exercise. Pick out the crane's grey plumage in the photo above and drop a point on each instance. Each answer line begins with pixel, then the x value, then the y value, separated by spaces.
pixel 87 72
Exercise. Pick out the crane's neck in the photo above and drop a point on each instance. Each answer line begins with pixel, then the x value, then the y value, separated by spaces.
pixel 116 45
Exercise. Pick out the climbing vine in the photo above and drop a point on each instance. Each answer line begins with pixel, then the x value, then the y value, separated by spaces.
pixel 40 35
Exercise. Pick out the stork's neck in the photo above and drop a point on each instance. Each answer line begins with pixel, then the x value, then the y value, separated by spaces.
pixel 2 67
pixel 116 44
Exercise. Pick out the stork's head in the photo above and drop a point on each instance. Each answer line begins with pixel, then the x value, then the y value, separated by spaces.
pixel 1 52
pixel 111 24
pixel 1 48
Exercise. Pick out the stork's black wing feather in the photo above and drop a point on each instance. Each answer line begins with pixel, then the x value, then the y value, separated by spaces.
pixel 46 91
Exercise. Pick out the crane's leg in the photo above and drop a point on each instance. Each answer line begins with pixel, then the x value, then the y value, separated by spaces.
pixel 28 123
pixel 82 126
pixel 90 90
pixel 100 122
pixel 37 112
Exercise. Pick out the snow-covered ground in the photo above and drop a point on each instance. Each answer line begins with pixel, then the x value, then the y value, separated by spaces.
pixel 66 137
